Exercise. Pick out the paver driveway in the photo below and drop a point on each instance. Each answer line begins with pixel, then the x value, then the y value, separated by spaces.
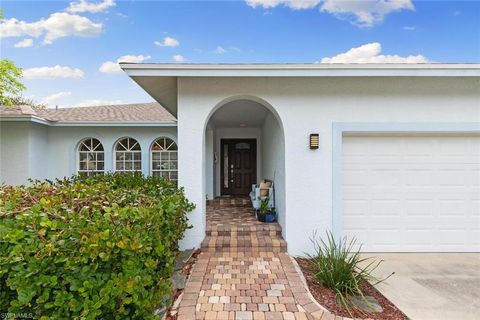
pixel 244 272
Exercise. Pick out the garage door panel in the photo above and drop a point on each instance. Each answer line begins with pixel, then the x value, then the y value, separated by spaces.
pixel 454 207
pixel 419 207
pixel 474 237
pixel 385 177
pixel 418 237
pixel 475 176
pixel 387 237
pixel 354 177
pixel 455 146
pixel 355 207
pixel 418 148
pixel 475 208
pixel 386 207
pixel 383 148
pixel 451 178
pixel 420 177
pixel 412 193
pixel 452 237
pixel 381 223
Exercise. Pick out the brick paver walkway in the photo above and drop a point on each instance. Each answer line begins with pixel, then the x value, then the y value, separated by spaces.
pixel 233 227
pixel 240 275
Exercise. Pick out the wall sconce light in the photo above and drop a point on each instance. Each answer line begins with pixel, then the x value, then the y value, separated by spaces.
pixel 314 141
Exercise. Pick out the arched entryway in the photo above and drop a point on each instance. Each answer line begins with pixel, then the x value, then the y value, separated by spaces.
pixel 244 144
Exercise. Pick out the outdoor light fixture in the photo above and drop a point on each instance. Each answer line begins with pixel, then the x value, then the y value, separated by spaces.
pixel 314 141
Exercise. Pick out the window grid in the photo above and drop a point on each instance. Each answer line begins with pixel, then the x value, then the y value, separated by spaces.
pixel 164 157
pixel 128 156
pixel 91 157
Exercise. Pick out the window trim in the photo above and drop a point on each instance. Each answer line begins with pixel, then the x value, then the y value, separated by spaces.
pixel 78 171
pixel 151 172
pixel 114 156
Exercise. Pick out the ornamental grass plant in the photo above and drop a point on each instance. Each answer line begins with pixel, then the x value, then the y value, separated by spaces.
pixel 338 264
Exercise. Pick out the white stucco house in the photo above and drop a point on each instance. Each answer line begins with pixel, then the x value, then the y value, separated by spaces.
pixel 397 163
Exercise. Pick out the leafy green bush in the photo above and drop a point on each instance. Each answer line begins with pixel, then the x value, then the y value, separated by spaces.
pixel 339 266
pixel 89 248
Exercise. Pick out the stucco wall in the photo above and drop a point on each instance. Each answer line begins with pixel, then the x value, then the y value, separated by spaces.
pixel 209 163
pixel 14 152
pixel 312 105
pixel 63 142
pixel 273 163
pixel 37 151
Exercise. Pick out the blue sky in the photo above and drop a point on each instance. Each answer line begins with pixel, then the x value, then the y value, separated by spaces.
pixel 69 49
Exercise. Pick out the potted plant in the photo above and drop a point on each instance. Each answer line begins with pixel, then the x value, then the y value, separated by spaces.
pixel 266 213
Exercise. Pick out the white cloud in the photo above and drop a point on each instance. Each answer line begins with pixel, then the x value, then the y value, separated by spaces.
pixel 95 102
pixel 364 13
pixel 113 67
pixel 92 7
pixel 370 53
pixel 25 43
pixel 293 4
pixel 220 50
pixel 167 42
pixel 57 25
pixel 51 99
pixel 55 72
pixel 410 28
pixel 178 58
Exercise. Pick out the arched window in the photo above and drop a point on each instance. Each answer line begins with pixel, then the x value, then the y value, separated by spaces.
pixel 128 155
pixel 164 159
pixel 91 157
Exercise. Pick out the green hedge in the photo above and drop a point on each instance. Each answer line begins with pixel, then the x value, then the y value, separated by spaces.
pixel 96 248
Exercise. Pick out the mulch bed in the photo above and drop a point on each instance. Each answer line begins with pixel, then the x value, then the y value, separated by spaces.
pixel 326 297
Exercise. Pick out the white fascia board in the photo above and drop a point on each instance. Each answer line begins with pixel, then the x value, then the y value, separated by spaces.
pixel 88 123
pixel 24 118
pixel 301 70
pixel 114 124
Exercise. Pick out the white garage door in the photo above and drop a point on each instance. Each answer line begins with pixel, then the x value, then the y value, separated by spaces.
pixel 412 193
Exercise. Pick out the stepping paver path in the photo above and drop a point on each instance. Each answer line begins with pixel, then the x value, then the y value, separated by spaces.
pixel 232 227
pixel 244 272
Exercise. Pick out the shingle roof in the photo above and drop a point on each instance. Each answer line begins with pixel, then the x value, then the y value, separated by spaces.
pixel 115 113
pixel 16 110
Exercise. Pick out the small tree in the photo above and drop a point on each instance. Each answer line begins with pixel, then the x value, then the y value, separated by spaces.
pixel 10 85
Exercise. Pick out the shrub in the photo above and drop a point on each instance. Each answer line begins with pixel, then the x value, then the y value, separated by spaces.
pixel 339 266
pixel 88 248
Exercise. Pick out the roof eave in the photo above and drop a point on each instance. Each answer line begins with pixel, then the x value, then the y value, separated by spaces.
pixel 113 123
pixel 24 118
pixel 300 70
pixel 34 119
pixel 160 80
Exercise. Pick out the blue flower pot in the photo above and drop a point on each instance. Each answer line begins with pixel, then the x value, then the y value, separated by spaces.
pixel 267 217
pixel 271 217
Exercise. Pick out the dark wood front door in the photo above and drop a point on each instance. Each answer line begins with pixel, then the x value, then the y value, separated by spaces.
pixel 239 166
